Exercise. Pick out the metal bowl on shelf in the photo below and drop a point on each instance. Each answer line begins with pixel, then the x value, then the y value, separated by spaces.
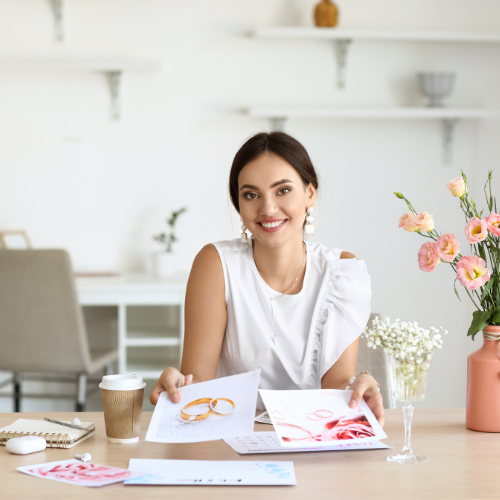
pixel 436 86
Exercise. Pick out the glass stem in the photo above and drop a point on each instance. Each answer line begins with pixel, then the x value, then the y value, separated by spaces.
pixel 408 414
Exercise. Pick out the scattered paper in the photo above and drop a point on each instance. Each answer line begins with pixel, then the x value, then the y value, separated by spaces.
pixel 312 419
pixel 203 473
pixel 268 442
pixel 207 411
pixel 264 418
pixel 80 473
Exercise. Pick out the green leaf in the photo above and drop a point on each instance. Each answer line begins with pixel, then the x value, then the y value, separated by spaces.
pixel 399 195
pixel 486 287
pixel 455 288
pixel 479 321
pixel 480 249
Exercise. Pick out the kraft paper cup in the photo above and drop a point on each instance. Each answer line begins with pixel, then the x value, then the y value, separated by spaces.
pixel 122 397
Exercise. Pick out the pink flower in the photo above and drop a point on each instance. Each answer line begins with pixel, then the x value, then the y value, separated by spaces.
pixel 407 222
pixel 448 247
pixel 355 428
pixel 472 272
pixel 476 230
pixel 424 222
pixel 493 221
pixel 428 257
pixel 457 187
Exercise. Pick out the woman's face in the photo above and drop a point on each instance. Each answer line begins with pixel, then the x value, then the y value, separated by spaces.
pixel 273 200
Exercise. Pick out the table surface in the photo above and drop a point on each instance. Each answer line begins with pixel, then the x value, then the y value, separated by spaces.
pixel 462 465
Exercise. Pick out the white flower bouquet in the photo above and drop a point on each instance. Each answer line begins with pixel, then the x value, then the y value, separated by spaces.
pixel 410 350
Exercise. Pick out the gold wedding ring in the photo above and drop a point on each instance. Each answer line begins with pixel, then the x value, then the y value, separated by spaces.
pixel 212 403
pixel 201 416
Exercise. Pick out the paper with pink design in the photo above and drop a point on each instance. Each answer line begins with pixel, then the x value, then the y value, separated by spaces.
pixel 80 473
pixel 308 419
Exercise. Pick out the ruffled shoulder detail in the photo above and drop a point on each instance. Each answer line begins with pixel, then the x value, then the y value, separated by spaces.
pixel 342 313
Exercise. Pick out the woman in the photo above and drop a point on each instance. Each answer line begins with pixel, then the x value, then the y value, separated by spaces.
pixel 294 309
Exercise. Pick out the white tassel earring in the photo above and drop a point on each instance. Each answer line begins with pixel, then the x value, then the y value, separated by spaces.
pixel 244 237
pixel 309 227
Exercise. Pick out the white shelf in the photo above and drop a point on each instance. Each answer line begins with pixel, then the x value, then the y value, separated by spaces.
pixel 152 341
pixel 343 38
pixel 277 112
pixel 78 64
pixel 449 117
pixel 113 67
pixel 312 33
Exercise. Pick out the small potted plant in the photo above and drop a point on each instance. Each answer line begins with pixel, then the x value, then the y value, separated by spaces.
pixel 164 261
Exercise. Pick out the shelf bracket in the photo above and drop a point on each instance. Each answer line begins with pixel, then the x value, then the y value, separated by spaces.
pixel 115 82
pixel 278 123
pixel 58 6
pixel 342 52
pixel 448 135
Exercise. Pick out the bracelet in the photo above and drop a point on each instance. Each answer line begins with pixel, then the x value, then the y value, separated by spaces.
pixel 353 379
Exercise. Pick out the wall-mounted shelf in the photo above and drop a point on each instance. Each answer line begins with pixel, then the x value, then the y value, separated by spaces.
pixel 449 117
pixel 343 38
pixel 113 67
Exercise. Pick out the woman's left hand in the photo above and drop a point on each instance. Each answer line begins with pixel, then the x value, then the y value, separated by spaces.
pixel 365 387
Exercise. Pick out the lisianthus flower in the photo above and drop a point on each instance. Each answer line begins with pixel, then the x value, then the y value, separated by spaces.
pixel 428 257
pixel 476 230
pixel 448 247
pixel 457 187
pixel 407 222
pixel 424 222
pixel 493 221
pixel 472 272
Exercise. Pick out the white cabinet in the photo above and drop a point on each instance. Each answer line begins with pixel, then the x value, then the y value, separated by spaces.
pixel 147 314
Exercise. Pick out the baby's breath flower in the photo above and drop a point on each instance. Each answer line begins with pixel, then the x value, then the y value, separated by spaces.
pixel 404 340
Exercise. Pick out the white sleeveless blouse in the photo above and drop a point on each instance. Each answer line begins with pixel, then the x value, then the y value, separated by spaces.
pixel 313 327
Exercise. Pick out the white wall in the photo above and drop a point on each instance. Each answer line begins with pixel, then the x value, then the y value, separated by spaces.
pixel 74 179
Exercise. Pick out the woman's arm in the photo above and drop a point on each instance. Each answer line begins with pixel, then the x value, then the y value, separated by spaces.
pixel 205 324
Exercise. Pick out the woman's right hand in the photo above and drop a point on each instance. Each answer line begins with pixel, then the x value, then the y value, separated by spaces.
pixel 170 380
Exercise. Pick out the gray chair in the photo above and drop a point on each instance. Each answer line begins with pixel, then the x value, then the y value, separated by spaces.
pixel 375 362
pixel 42 330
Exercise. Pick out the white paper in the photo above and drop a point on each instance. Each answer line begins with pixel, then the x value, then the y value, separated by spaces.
pixel 268 442
pixel 206 473
pixel 311 419
pixel 264 418
pixel 78 472
pixel 167 425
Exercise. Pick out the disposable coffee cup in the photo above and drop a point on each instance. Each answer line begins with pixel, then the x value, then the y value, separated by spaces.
pixel 122 397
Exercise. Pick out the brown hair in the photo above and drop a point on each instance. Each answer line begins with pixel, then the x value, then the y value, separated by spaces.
pixel 280 144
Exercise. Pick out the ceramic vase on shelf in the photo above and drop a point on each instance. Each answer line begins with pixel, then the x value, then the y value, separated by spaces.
pixel 483 384
pixel 326 14
pixel 164 264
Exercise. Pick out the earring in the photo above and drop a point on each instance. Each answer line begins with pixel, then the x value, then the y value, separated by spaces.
pixel 309 227
pixel 244 237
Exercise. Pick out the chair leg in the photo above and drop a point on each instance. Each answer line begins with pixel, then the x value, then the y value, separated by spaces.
pixel 82 392
pixel 109 369
pixel 17 392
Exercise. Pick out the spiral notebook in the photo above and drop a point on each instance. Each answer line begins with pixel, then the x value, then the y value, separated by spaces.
pixel 57 436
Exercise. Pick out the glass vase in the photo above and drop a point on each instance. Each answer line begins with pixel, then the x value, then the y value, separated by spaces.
pixel 408 381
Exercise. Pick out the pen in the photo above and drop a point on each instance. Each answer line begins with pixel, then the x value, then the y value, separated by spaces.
pixel 67 425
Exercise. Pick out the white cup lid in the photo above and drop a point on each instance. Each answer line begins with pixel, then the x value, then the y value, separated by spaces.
pixel 122 382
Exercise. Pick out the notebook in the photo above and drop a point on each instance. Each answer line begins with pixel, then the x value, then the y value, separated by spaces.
pixel 57 436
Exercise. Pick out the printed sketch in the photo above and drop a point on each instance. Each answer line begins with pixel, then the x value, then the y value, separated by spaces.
pixel 301 418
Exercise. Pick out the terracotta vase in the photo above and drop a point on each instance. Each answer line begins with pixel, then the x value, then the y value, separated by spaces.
pixel 326 14
pixel 483 386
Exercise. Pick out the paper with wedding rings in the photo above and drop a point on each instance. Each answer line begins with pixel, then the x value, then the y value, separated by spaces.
pixel 217 409
pixel 317 418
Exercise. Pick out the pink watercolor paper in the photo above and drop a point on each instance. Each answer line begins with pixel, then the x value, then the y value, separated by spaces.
pixel 80 473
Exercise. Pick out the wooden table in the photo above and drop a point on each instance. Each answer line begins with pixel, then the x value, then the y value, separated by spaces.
pixel 462 464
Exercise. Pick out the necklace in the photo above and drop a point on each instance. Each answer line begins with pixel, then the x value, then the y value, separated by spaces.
pixel 292 286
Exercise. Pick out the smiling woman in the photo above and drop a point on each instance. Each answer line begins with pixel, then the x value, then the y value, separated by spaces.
pixel 292 308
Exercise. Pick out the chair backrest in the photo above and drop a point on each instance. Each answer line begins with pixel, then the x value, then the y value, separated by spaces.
pixel 41 322
pixel 375 361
